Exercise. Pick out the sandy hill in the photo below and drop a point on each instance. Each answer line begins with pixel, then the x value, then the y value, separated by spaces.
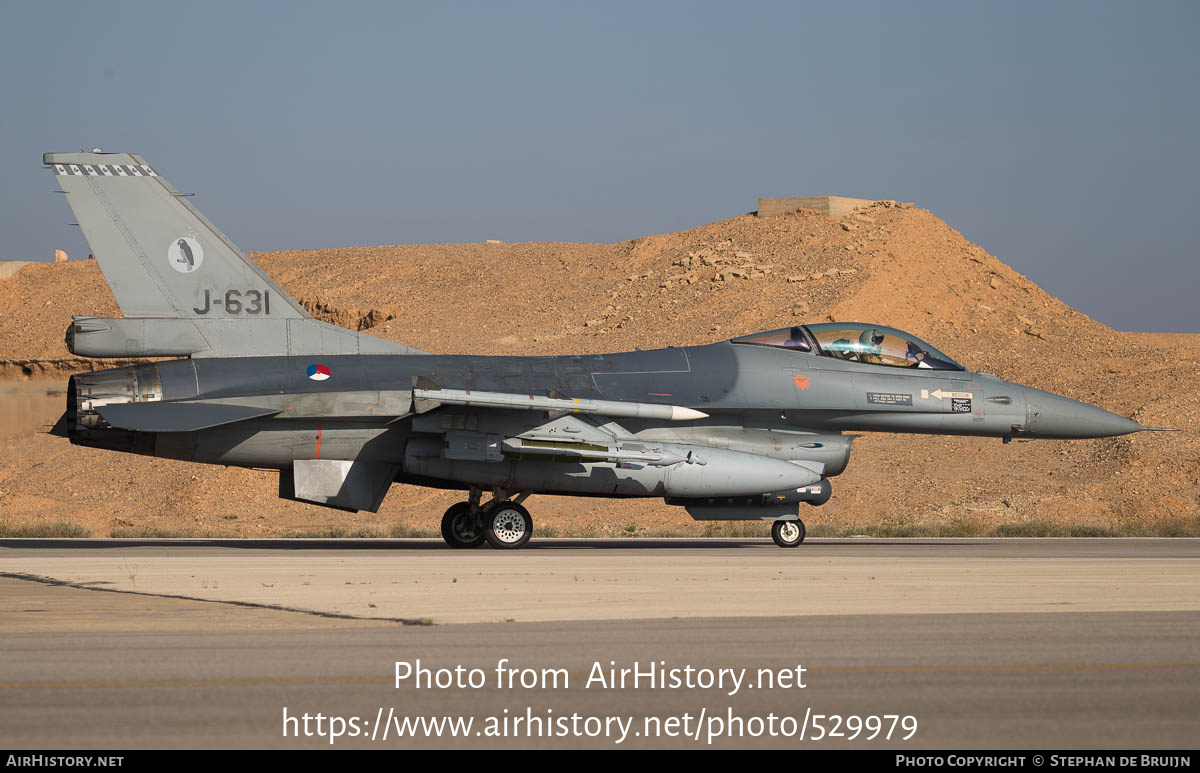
pixel 889 263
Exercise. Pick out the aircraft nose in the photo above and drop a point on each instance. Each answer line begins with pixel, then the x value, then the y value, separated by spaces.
pixel 1054 416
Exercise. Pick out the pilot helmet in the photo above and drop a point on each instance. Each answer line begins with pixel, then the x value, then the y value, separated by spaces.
pixel 871 339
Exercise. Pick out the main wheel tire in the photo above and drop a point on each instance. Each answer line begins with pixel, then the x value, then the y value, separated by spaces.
pixel 460 529
pixel 787 534
pixel 507 526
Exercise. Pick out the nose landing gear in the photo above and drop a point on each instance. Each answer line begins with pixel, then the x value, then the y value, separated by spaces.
pixel 788 534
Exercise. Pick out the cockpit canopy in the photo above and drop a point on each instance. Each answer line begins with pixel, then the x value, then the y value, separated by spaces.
pixel 872 344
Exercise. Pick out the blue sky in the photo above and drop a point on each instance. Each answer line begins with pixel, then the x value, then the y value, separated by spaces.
pixel 1060 136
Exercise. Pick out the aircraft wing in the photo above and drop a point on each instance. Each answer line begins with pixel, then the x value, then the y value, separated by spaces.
pixel 177 417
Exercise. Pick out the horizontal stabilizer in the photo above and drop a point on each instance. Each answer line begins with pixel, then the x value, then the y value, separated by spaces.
pixel 177 417
pixel 62 427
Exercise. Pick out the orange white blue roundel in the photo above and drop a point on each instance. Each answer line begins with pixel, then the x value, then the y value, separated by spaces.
pixel 318 372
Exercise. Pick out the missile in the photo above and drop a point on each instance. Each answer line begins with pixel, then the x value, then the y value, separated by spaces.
pixel 655 456
pixel 614 408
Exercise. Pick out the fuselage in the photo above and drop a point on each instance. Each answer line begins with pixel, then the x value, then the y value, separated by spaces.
pixel 740 387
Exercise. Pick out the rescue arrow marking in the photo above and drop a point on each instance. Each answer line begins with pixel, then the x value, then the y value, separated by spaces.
pixel 939 394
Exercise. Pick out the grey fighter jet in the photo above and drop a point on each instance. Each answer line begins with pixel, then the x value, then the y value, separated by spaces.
pixel 747 429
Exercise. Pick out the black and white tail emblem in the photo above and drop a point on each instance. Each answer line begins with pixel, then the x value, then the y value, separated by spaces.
pixel 185 255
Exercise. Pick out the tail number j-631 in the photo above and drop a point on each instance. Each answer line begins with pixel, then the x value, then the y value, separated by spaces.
pixel 237 302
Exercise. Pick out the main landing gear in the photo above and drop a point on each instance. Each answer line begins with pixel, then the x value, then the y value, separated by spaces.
pixel 503 523
pixel 507 526
pixel 462 528
pixel 787 534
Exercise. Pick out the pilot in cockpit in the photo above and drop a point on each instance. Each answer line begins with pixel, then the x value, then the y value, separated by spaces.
pixel 871 346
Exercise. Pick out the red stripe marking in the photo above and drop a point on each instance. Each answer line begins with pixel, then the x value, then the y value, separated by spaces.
pixel 318 440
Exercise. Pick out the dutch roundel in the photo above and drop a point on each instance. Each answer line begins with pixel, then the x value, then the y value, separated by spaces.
pixel 318 372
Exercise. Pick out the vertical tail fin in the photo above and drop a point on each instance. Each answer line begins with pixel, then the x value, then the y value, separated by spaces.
pixel 159 255
pixel 183 287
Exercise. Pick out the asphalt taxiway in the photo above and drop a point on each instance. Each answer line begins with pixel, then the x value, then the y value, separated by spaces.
pixel 988 643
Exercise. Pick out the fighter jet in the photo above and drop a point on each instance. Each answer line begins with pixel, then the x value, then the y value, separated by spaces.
pixel 745 429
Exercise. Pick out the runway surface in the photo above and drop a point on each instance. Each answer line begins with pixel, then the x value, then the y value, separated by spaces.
pixel 987 643
pixel 422 580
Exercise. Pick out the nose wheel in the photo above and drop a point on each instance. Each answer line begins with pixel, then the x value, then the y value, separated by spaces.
pixel 788 534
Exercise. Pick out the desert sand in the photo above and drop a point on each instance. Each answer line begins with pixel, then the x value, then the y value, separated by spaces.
pixel 889 263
